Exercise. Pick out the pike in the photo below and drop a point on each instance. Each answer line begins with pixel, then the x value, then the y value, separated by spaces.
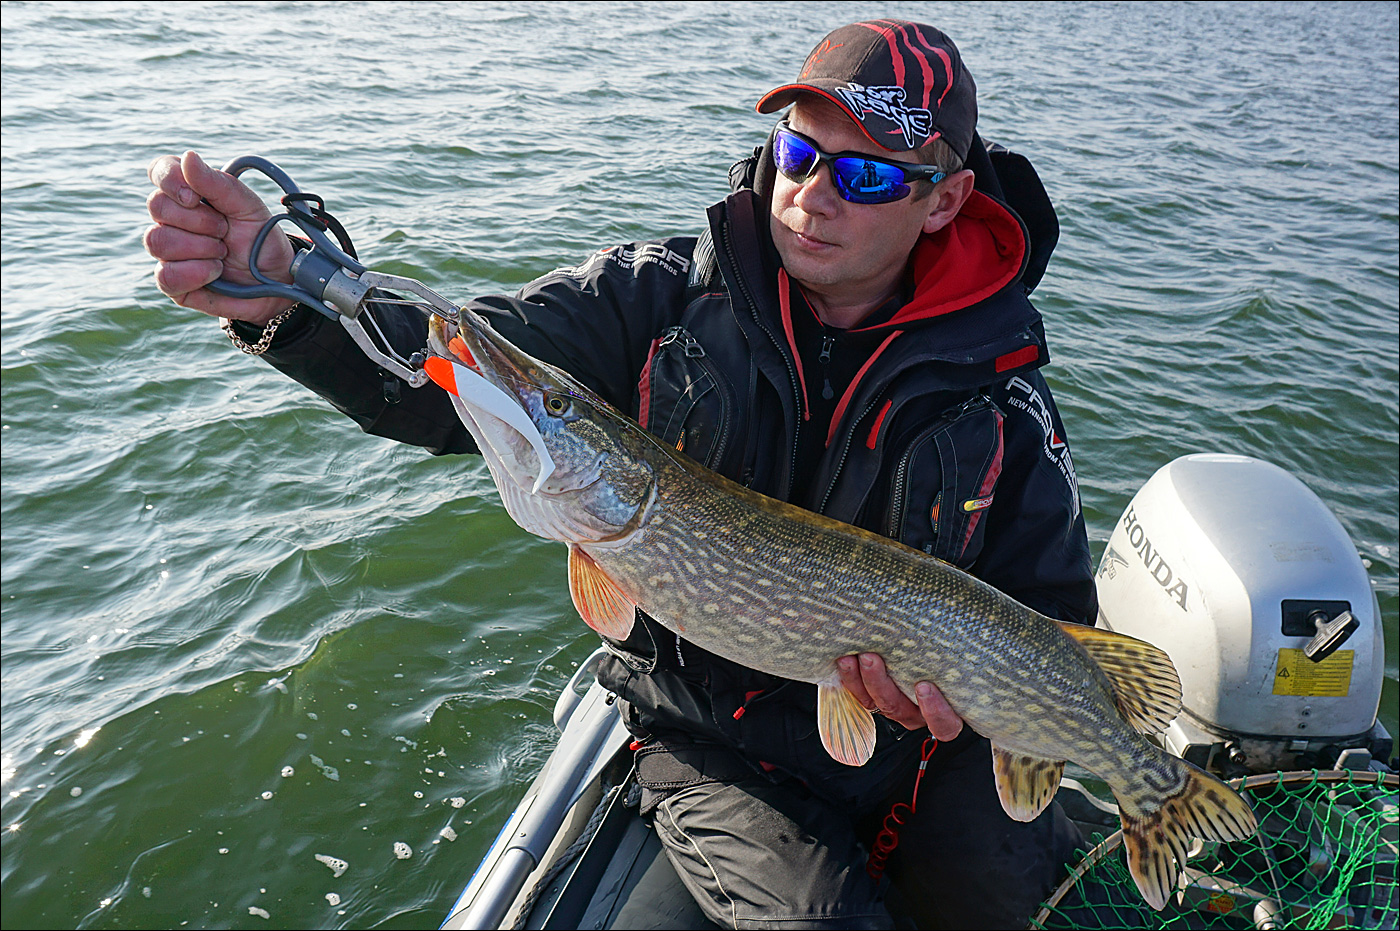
pixel 786 591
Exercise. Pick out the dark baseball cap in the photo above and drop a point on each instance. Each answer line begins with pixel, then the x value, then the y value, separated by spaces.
pixel 903 83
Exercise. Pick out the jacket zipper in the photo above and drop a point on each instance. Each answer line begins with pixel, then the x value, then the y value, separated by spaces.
pixel 750 441
pixel 792 373
pixel 689 344
pixel 693 350
pixel 897 499
pixel 828 341
pixel 902 470
pixel 845 451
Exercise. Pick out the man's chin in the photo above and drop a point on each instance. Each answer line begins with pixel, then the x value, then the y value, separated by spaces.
pixel 812 270
pixel 806 262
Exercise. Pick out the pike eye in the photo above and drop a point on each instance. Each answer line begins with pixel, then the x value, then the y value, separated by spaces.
pixel 555 404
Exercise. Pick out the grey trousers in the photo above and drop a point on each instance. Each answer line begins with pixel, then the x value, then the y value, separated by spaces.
pixel 755 854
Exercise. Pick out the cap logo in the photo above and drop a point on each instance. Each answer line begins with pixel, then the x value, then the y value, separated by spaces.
pixel 888 102
pixel 818 55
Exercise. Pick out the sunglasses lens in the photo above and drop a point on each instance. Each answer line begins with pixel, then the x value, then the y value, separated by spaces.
pixel 858 180
pixel 793 157
pixel 863 181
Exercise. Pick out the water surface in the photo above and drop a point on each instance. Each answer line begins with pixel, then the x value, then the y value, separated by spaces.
pixel 238 633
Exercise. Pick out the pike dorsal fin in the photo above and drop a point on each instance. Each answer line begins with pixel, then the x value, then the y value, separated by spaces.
pixel 1025 784
pixel 598 600
pixel 847 729
pixel 1146 687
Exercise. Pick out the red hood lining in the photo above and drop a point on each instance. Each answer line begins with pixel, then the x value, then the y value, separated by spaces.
pixel 967 261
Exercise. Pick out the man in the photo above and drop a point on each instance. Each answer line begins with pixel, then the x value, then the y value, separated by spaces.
pixel 851 333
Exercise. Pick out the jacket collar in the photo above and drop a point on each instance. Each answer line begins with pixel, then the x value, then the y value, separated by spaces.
pixel 978 254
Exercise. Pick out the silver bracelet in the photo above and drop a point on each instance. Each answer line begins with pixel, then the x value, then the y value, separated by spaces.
pixel 262 344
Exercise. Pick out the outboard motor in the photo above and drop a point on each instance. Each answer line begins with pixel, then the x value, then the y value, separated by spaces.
pixel 1253 588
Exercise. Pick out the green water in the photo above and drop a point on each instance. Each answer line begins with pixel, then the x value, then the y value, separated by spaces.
pixel 211 579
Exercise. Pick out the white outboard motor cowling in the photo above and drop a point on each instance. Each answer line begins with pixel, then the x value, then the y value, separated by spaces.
pixel 1253 588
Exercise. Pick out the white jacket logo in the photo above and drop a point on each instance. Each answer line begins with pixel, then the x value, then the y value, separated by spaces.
pixel 630 258
pixel 1026 398
pixel 914 123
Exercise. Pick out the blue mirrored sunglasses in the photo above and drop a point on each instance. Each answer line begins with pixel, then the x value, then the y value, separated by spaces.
pixel 860 179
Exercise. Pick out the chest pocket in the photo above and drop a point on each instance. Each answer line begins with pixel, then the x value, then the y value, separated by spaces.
pixel 945 481
pixel 684 400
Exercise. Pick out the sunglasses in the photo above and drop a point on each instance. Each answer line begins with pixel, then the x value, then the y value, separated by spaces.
pixel 860 179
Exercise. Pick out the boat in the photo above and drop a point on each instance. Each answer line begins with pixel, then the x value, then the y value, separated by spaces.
pixel 1234 568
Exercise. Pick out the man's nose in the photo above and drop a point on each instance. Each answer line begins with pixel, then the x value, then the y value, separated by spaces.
pixel 817 194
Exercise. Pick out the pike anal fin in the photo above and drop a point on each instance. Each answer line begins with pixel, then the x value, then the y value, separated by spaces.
pixel 1146 688
pixel 847 729
pixel 597 598
pixel 1025 784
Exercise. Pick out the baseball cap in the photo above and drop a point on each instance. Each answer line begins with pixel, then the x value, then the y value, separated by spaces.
pixel 904 84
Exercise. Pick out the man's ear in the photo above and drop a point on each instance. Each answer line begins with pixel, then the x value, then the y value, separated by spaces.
pixel 953 192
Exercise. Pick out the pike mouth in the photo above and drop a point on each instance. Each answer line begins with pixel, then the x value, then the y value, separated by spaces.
pixel 441 335
pixel 475 394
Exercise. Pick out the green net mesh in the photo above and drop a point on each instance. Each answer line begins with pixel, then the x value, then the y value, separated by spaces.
pixel 1325 856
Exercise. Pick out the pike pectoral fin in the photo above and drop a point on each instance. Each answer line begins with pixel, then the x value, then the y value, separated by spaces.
pixel 1025 784
pixel 847 729
pixel 1146 688
pixel 599 601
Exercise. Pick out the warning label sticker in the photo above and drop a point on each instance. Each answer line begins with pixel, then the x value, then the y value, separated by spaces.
pixel 1298 675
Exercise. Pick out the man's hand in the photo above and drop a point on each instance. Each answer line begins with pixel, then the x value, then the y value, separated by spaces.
pixel 865 677
pixel 197 242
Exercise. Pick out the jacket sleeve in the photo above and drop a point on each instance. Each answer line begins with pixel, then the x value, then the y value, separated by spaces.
pixel 1036 548
pixel 595 320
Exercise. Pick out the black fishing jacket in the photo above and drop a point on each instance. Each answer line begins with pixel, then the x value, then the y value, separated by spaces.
pixel 948 440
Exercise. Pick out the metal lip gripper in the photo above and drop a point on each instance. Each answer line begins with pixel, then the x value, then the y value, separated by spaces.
pixel 327 276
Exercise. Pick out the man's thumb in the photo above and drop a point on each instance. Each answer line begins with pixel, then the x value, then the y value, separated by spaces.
pixel 225 193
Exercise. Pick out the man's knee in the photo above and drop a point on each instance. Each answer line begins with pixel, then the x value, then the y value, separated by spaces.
pixel 755 854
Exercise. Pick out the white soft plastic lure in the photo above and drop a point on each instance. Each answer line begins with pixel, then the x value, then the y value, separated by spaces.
pixel 471 392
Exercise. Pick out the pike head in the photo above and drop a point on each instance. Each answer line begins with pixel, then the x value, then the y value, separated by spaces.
pixel 564 462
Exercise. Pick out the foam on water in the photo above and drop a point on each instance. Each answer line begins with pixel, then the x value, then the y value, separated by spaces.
pixel 336 865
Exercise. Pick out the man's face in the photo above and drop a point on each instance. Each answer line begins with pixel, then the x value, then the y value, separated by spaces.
pixel 829 245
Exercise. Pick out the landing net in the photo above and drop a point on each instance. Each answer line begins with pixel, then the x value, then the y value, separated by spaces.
pixel 1325 856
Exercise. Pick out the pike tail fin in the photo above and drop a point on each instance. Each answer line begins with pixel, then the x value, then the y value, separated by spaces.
pixel 1202 807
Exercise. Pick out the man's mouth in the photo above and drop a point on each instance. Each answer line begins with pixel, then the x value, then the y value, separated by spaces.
pixel 808 239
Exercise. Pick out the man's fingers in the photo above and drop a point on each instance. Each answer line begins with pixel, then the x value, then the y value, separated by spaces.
pixel 201 219
pixel 165 173
pixel 175 245
pixel 225 193
pixel 848 668
pixel 184 283
pixel 889 700
pixel 179 279
pixel 943 722
pixel 869 681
